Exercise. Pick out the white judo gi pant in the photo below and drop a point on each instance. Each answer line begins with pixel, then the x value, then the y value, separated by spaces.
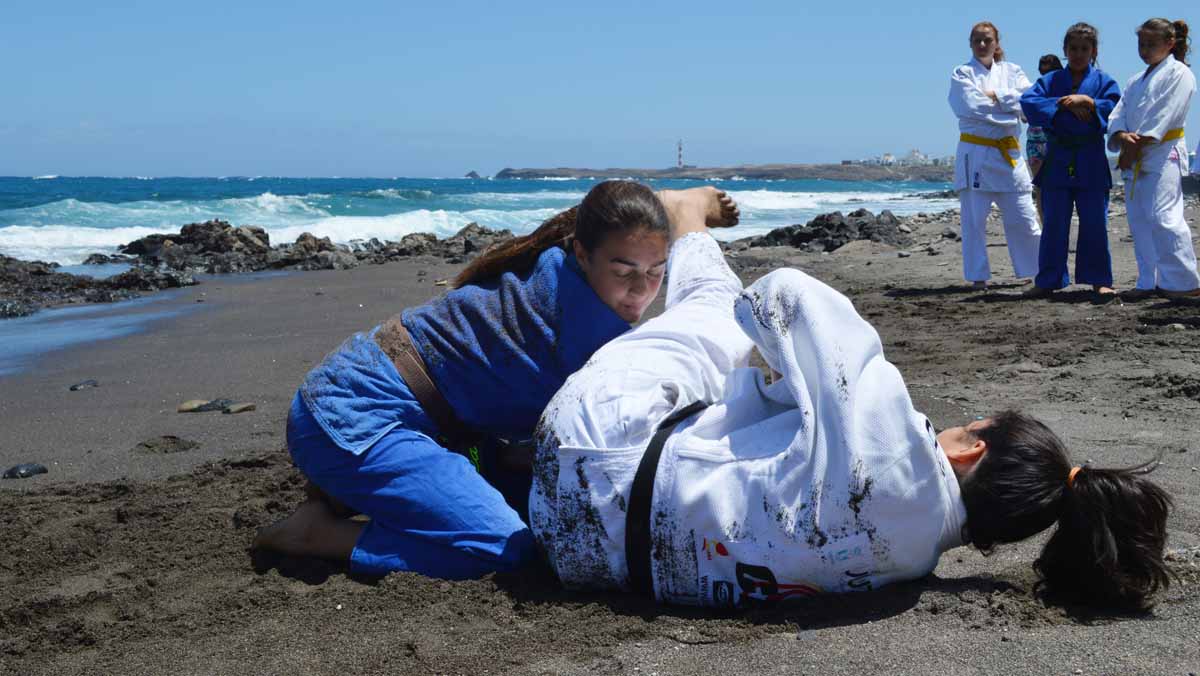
pixel 1162 240
pixel 1021 229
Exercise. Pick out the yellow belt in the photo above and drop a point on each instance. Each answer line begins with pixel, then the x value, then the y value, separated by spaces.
pixel 1002 144
pixel 1137 166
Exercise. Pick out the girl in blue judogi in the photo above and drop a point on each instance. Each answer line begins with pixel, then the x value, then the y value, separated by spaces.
pixel 1073 105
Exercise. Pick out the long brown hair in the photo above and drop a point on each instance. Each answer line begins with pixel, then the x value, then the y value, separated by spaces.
pixel 999 55
pixel 609 207
pixel 1112 523
pixel 1165 29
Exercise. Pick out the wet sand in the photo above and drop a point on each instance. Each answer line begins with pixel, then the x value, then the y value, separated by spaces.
pixel 128 560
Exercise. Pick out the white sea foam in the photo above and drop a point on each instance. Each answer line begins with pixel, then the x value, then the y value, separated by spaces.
pixel 770 200
pixel 439 222
pixel 67 244
pixel 70 244
pixel 47 177
pixel 503 198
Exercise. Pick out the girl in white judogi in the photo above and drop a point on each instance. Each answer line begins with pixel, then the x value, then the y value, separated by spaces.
pixel 985 94
pixel 826 480
pixel 1147 128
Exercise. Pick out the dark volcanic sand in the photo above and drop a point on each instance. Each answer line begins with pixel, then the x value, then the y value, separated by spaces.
pixel 125 561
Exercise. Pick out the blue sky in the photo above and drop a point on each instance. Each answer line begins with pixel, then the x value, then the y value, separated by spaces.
pixel 440 88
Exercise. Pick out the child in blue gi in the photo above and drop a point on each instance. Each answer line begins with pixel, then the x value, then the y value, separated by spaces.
pixel 372 427
pixel 1073 105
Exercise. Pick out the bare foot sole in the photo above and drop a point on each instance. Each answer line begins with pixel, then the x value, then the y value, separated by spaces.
pixel 690 208
pixel 293 535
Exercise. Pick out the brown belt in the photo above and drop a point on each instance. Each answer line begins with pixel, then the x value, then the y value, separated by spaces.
pixel 395 342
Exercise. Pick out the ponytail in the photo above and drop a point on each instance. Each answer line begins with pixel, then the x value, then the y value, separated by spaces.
pixel 519 253
pixel 1109 543
pixel 1108 547
pixel 1183 43
pixel 609 207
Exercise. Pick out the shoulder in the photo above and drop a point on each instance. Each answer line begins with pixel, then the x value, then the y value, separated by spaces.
pixel 1010 68
pixel 965 70
pixel 554 258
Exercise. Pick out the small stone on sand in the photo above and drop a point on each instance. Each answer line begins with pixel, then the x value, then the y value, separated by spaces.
pixel 87 383
pixel 24 470
pixel 204 405
pixel 239 408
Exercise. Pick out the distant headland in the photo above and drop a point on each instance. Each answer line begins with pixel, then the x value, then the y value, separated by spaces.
pixel 833 172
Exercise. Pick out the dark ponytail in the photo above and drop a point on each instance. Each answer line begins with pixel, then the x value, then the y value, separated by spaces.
pixel 609 207
pixel 1108 547
pixel 1183 43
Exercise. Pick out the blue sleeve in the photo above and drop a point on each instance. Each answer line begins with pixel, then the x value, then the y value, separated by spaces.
pixel 1106 99
pixel 1039 107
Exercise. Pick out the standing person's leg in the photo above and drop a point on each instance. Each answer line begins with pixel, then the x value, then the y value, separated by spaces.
pixel 975 205
pixel 1093 261
pixel 1052 249
pixel 431 512
pixel 1022 231
pixel 1139 214
pixel 1175 253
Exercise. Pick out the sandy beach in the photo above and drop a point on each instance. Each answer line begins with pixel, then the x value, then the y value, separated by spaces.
pixel 131 555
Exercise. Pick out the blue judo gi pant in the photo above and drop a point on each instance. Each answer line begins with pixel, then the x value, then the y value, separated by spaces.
pixel 432 512
pixel 1093 262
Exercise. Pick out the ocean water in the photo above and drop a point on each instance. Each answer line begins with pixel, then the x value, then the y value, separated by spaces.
pixel 64 219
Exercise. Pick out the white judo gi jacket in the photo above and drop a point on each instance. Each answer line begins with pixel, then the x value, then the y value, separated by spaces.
pixel 1152 105
pixel 979 167
pixel 825 481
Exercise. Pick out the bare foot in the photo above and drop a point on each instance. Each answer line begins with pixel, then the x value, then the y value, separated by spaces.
pixel 695 209
pixel 312 530
pixel 980 284
pixel 1104 290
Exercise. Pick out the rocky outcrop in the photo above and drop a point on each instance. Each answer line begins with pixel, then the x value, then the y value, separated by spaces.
pixel 27 286
pixel 218 247
pixel 828 232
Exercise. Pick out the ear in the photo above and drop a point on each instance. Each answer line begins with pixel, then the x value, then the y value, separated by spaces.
pixel 963 460
pixel 581 254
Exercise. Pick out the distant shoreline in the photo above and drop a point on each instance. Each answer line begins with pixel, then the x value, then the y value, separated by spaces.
pixel 832 172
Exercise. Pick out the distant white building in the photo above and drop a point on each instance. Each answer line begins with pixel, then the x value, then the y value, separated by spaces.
pixel 887 159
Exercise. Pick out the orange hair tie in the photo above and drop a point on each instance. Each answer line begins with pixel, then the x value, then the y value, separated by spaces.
pixel 1071 476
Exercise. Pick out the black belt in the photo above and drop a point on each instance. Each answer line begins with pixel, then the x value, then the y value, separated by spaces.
pixel 641 495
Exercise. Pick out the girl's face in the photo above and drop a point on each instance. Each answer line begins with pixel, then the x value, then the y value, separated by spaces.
pixel 1153 48
pixel 983 44
pixel 1080 54
pixel 626 269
